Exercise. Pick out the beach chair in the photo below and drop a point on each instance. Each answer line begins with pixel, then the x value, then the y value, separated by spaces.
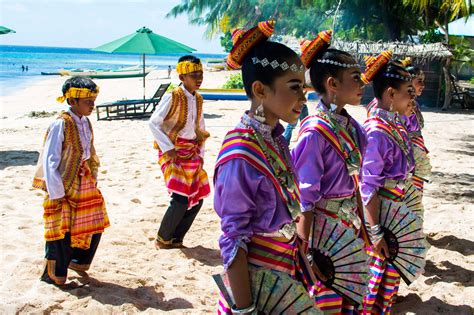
pixel 127 109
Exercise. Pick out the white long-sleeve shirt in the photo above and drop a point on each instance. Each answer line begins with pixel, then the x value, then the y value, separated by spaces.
pixel 53 150
pixel 188 132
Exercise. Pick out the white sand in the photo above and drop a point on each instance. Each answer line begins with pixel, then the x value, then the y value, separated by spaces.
pixel 130 275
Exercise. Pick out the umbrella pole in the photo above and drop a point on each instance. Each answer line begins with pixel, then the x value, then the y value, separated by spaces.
pixel 144 79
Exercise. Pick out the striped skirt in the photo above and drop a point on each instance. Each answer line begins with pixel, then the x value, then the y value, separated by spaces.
pixel 81 212
pixel 422 163
pixel 383 286
pixel 185 176
pixel 279 254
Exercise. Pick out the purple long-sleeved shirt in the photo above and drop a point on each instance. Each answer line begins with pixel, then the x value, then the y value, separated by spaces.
pixel 383 159
pixel 411 122
pixel 246 200
pixel 320 170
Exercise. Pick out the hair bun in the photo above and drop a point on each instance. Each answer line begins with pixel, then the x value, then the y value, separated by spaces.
pixel 311 49
pixel 244 41
pixel 374 64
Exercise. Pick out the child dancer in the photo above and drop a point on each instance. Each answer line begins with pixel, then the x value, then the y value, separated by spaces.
pixel 178 128
pixel 388 160
pixel 414 123
pixel 74 209
pixel 328 152
pixel 256 195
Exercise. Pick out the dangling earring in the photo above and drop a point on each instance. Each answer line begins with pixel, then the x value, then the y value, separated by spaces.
pixel 333 105
pixel 391 106
pixel 260 113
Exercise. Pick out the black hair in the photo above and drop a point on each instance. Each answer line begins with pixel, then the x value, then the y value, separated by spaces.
pixel 190 58
pixel 79 82
pixel 381 82
pixel 267 75
pixel 414 71
pixel 319 72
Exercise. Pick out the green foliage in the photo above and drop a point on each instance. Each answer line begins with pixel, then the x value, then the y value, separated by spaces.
pixel 235 82
pixel 226 41
pixel 432 36
pixel 171 87
pixel 463 55
pixel 471 80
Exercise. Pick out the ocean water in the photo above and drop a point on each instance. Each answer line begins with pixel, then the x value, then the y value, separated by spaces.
pixel 53 59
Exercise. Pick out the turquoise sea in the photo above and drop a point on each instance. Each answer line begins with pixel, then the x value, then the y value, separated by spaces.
pixel 52 59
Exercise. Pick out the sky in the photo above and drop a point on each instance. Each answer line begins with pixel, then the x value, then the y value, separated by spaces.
pixel 90 23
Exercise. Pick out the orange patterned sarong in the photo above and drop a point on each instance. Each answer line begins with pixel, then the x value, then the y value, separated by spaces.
pixel 81 212
pixel 185 176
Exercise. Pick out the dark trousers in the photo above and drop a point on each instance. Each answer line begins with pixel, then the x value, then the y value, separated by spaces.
pixel 178 219
pixel 60 256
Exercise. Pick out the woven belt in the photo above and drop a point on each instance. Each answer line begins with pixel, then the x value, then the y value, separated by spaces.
pixel 345 208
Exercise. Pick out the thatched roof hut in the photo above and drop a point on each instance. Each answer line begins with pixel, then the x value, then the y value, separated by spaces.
pixel 430 57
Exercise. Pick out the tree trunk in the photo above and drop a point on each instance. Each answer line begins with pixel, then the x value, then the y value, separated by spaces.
pixel 447 82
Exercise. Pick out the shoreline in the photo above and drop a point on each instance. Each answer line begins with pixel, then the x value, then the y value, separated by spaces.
pixel 128 275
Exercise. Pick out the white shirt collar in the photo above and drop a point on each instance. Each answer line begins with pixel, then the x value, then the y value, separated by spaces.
pixel 75 117
pixel 188 94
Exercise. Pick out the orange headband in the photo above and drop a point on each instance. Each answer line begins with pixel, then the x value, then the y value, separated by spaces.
pixel 245 40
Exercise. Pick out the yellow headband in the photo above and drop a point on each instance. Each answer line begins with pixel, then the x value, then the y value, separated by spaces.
pixel 78 93
pixel 185 67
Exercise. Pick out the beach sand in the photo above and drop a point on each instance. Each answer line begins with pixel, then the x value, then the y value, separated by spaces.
pixel 130 275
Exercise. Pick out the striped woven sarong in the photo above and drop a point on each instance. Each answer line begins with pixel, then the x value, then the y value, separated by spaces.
pixel 383 286
pixel 185 176
pixel 279 254
pixel 81 212
pixel 384 281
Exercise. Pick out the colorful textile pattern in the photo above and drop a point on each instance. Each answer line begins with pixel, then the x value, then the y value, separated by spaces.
pixel 279 255
pixel 185 67
pixel 245 144
pixel 311 49
pixel 371 106
pixel 383 286
pixel 71 156
pixel 175 120
pixel 245 40
pixel 185 176
pixel 78 93
pixel 374 64
pixel 340 255
pixel 344 143
pixel 396 131
pixel 422 171
pixel 81 212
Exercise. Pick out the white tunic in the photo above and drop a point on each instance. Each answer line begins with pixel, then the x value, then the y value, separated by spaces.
pixel 53 149
pixel 188 132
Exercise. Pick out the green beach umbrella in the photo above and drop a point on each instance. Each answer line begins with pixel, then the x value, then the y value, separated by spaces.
pixel 144 41
pixel 5 30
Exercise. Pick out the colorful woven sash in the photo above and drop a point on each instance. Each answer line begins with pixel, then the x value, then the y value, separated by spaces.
pixel 396 131
pixel 419 142
pixel 343 143
pixel 395 194
pixel 243 144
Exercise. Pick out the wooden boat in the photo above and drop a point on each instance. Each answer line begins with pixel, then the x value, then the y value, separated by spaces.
pixel 129 72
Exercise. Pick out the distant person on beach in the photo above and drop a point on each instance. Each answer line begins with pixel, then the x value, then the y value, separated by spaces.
pixel 178 128
pixel 74 209
pixel 22 68
pixel 169 72
pixel 26 68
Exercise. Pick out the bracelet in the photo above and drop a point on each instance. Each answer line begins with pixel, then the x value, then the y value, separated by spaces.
pixel 376 237
pixel 248 309
pixel 374 229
